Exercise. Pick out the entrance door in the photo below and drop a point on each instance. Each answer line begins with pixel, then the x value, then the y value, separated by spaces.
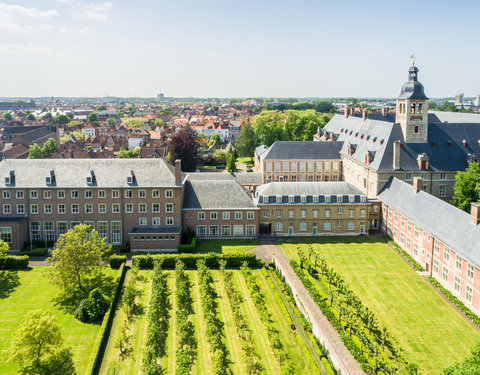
pixel 290 230
pixel 314 229
pixel 362 228
pixel 375 224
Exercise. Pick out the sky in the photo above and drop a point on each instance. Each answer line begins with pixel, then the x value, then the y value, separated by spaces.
pixel 237 48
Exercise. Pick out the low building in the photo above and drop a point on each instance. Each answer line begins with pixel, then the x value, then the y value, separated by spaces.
pixel 299 161
pixel 219 208
pixel 439 236
pixel 314 209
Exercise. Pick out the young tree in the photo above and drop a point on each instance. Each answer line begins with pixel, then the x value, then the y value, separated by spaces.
pixel 36 346
pixel 219 157
pixel 183 145
pixel 231 167
pixel 467 187
pixel 35 152
pixel 246 141
pixel 4 247
pixel 50 147
pixel 76 258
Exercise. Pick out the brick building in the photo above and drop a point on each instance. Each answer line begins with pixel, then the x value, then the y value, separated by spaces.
pixel 314 209
pixel 439 236
pixel 299 161
pixel 131 200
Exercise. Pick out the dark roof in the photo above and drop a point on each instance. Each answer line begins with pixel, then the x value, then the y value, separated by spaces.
pixel 216 194
pixel 454 229
pixel 37 134
pixel 243 178
pixel 295 150
pixel 155 230
pixel 412 89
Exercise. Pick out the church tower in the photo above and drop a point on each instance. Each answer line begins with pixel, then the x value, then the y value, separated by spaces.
pixel 412 109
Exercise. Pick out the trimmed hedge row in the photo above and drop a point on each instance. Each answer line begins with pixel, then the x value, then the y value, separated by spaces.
pixel 190 260
pixel 188 248
pixel 36 252
pixel 13 262
pixel 403 254
pixel 117 260
pixel 106 327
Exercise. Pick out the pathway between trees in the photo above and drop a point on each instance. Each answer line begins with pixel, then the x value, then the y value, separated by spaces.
pixel 338 352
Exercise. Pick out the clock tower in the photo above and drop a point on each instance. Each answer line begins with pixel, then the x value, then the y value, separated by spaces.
pixel 412 109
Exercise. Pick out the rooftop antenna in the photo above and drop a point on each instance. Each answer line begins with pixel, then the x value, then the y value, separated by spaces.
pixel 413 59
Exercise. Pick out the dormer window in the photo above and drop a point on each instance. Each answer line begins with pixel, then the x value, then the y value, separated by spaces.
pixel 291 199
pixel 7 181
pixel 465 143
pixel 89 180
pixel 279 199
pixel 450 144
pixel 48 180
pixel 131 178
pixel 327 198
pixel 303 199
pixel 363 198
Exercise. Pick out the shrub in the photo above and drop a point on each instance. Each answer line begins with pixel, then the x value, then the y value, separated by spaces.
pixel 117 260
pixel 188 248
pixel 81 312
pixel 190 260
pixel 97 304
pixel 13 262
pixel 36 252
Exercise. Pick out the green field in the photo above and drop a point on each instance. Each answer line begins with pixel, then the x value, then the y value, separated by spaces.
pixel 202 364
pixel 225 246
pixel 31 290
pixel 432 333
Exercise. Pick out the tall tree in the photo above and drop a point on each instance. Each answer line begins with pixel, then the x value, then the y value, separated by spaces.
pixel 231 167
pixel 35 152
pixel 183 145
pixel 76 259
pixel 246 141
pixel 36 346
pixel 92 117
pixel 61 119
pixel 467 187
pixel 269 127
pixel 50 147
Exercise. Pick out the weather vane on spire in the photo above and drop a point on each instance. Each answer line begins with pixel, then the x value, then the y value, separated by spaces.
pixel 413 59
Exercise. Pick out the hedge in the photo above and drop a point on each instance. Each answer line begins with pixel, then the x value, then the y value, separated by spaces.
pixel 117 260
pixel 188 248
pixel 106 326
pixel 13 262
pixel 36 252
pixel 190 260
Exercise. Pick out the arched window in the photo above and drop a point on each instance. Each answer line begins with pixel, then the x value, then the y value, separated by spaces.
pixel 412 108
pixel 420 108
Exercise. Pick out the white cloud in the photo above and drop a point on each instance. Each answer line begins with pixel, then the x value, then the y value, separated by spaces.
pixel 97 11
pixel 21 49
pixel 64 1
pixel 15 18
pixel 83 31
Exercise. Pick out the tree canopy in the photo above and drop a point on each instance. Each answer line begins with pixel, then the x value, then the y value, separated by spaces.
pixel 183 145
pixel 111 122
pixel 246 141
pixel 4 247
pixel 469 366
pixel 50 147
pixel 7 116
pixel 35 152
pixel 30 117
pixel 128 153
pixel 92 117
pixel 61 119
pixel 215 138
pixel 467 187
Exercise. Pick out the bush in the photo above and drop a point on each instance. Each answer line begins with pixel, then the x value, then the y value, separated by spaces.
pixel 190 260
pixel 188 248
pixel 117 260
pixel 37 252
pixel 81 312
pixel 97 304
pixel 13 262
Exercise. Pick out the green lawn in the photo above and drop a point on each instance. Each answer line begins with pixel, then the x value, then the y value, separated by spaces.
pixel 30 290
pixel 245 160
pixel 225 246
pixel 432 333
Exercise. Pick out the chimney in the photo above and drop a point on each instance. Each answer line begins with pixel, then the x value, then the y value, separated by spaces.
pixel 178 172
pixel 475 213
pixel 417 184
pixel 364 115
pixel 384 111
pixel 346 111
pixel 396 155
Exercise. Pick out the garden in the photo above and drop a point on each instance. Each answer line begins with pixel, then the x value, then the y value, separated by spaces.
pixel 388 316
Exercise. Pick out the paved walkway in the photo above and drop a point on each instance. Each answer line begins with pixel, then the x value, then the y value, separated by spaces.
pixel 340 355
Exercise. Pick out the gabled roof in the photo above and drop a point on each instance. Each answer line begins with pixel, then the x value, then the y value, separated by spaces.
pixel 307 188
pixel 445 222
pixel 297 150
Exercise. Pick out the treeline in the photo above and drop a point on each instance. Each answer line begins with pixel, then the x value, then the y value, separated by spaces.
pixel 322 107
pixel 447 107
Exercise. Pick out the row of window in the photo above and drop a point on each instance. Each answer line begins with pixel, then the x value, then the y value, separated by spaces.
pixel 225 230
pixel 226 215
pixel 316 198
pixel 88 208
pixel 315 213
pixel 327 226
pixel 302 178
pixel 154 238
pixel 74 194
pixel 457 281
pixel 302 166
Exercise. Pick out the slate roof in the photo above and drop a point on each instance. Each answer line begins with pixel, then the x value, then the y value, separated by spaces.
pixel 297 150
pixel 215 194
pixel 454 227
pixel 243 178
pixel 412 89
pixel 37 134
pixel 72 173
pixel 267 193
pixel 378 133
pixel 248 178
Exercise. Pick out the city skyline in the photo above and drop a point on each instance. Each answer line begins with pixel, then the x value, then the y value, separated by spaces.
pixel 227 49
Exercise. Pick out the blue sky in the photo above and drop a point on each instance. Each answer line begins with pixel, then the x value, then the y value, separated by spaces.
pixel 237 48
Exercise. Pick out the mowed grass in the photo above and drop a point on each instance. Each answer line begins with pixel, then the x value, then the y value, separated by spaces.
pixel 225 246
pixel 432 333
pixel 31 291
pixel 202 364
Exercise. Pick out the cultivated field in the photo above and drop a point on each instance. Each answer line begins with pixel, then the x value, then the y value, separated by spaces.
pixel 202 363
pixel 25 291
pixel 432 333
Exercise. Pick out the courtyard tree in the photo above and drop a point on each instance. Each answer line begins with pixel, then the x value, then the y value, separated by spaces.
pixel 231 167
pixel 36 346
pixel 76 259
pixel 246 141
pixel 183 145
pixel 467 187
